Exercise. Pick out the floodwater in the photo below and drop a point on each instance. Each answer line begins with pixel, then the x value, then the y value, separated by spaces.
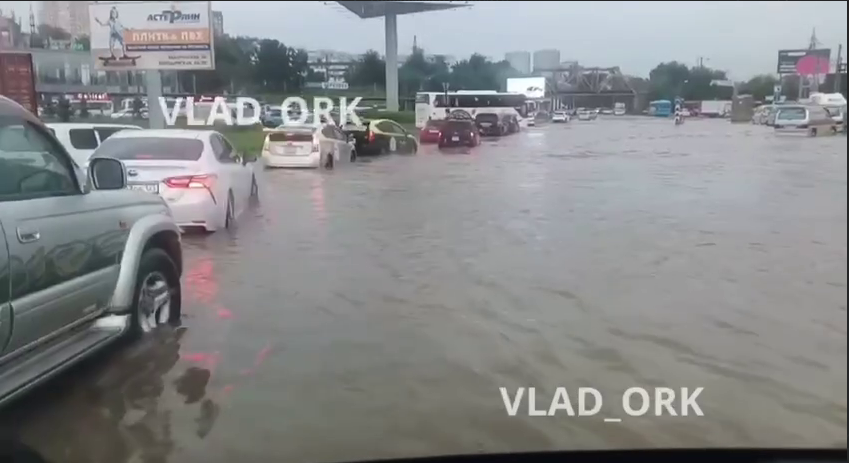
pixel 376 310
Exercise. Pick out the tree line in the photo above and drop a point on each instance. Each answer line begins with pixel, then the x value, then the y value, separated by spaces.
pixel 673 79
pixel 245 64
pixel 248 64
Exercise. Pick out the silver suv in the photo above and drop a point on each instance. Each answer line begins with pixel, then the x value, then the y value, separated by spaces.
pixel 83 260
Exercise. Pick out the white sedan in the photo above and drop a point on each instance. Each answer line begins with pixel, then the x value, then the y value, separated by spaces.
pixel 199 174
pixel 560 116
pixel 305 145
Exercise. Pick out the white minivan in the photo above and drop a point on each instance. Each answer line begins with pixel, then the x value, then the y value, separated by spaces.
pixel 813 119
pixel 81 139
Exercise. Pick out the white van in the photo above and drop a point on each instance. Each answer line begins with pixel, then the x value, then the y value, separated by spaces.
pixel 81 139
pixel 813 119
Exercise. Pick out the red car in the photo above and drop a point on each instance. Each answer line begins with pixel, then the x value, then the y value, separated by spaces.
pixel 430 132
pixel 459 133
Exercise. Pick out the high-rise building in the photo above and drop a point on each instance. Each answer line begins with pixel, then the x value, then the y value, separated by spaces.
pixel 217 23
pixel 70 16
pixel 546 60
pixel 519 60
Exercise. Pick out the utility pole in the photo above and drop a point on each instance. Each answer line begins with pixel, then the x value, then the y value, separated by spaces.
pixel 837 77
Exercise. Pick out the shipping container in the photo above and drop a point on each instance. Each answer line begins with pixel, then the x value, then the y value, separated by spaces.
pixel 17 79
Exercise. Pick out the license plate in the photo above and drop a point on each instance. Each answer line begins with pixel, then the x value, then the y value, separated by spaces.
pixel 455 138
pixel 485 124
pixel 146 187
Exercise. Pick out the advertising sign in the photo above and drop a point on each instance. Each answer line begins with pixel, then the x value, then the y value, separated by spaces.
pixel 804 62
pixel 531 87
pixel 151 35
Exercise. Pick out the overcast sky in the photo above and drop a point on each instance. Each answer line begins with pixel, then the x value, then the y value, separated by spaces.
pixel 742 37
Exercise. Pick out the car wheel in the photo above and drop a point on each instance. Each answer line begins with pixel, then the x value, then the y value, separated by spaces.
pixel 813 132
pixel 229 213
pixel 157 300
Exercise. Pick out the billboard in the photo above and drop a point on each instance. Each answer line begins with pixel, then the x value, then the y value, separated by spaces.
pixel 151 35
pixel 804 62
pixel 531 87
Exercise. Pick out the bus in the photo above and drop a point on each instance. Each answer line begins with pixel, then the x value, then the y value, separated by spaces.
pixel 433 105
pixel 660 108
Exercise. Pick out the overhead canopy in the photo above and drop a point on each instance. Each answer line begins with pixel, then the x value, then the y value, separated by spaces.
pixel 379 9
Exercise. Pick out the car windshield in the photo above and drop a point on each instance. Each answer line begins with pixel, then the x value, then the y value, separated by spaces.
pixel 458 125
pixel 522 227
pixel 792 114
pixel 151 148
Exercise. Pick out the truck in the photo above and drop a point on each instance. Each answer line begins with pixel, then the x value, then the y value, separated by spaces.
pixel 718 108
pixel 17 79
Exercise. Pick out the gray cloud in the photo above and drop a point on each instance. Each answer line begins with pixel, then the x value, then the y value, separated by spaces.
pixel 742 37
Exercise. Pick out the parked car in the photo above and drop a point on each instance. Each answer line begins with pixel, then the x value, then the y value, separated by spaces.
pixel 306 145
pixel 560 116
pixel 272 116
pixel 206 183
pixel 81 139
pixel 382 136
pixel 813 119
pixel 490 124
pixel 108 259
pixel 127 114
pixel 430 132
pixel 456 132
pixel 587 114
pixel 511 123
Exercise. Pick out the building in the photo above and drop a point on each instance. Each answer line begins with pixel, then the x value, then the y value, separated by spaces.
pixel 546 60
pixel 519 60
pixel 70 16
pixel 10 32
pixel 70 71
pixel 217 23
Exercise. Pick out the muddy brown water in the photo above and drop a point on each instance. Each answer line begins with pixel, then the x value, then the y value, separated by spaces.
pixel 375 311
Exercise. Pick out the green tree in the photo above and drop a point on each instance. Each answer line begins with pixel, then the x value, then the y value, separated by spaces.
pixel 760 86
pixel 667 80
pixel 53 33
pixel 369 70
pixel 440 72
pixel 413 73
pixel 272 66
pixel 299 67
pixel 83 42
pixel 698 86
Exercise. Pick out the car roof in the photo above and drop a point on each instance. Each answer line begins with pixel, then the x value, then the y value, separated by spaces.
pixel 164 133
pixel 87 125
pixel 9 107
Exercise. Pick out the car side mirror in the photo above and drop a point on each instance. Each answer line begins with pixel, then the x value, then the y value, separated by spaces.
pixel 107 174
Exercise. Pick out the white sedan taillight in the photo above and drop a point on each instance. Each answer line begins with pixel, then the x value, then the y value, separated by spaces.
pixel 193 182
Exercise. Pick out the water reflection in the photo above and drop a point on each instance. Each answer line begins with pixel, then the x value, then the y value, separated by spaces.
pixel 125 414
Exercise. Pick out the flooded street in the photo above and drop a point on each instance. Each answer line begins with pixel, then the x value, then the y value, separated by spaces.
pixel 376 310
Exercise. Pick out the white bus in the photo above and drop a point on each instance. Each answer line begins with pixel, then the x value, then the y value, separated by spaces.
pixel 433 105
